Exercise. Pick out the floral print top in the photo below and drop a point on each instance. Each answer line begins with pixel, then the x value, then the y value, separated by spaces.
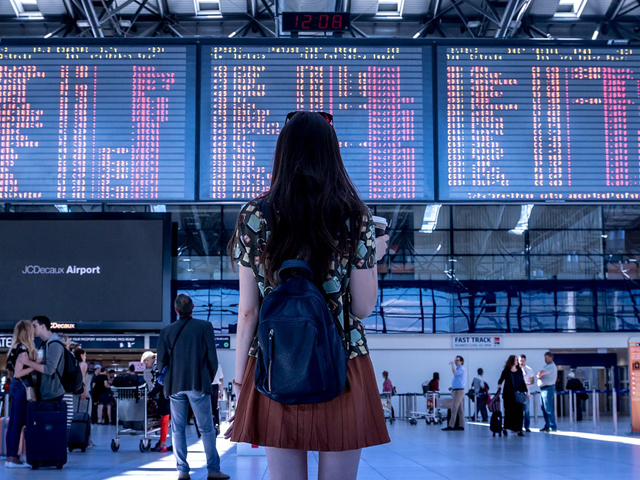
pixel 253 233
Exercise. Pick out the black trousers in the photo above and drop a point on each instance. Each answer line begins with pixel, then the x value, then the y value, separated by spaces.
pixel 214 404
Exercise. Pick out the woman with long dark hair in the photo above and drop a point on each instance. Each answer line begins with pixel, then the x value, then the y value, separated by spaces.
pixel 23 335
pixel 312 212
pixel 514 387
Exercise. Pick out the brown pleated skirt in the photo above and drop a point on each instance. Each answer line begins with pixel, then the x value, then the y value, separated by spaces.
pixel 351 421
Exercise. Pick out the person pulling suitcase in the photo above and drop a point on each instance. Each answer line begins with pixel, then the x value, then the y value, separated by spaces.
pixel 46 430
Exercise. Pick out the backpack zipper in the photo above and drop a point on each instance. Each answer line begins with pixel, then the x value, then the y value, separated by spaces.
pixel 270 358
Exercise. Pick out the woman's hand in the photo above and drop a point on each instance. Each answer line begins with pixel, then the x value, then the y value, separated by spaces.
pixel 227 434
pixel 381 246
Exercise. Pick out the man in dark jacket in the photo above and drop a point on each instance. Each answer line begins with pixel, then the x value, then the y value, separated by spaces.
pixel 188 351
pixel 576 385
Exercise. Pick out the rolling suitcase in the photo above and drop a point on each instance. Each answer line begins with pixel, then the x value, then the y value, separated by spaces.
pixel 496 423
pixel 80 429
pixel 46 434
pixel 457 425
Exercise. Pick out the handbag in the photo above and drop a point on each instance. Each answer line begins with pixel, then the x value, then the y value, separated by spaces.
pixel 30 391
pixel 521 398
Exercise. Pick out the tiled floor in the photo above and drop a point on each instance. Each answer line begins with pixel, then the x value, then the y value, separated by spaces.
pixel 417 452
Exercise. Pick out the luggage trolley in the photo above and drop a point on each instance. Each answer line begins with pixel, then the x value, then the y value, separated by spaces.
pixel 385 398
pixel 140 411
pixel 432 414
pixel 436 412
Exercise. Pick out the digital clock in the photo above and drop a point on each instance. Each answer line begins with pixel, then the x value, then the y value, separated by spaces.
pixel 314 21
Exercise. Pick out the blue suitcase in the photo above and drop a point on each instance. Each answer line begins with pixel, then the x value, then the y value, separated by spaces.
pixel 46 434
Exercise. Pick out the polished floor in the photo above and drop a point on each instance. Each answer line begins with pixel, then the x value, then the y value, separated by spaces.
pixel 417 452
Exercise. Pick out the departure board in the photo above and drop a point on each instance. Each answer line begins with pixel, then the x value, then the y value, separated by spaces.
pixel 95 122
pixel 379 96
pixel 538 123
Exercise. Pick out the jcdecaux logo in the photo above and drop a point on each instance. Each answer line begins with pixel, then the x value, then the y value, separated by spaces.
pixel 70 270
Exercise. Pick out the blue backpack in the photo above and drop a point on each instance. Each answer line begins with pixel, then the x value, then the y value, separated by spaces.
pixel 302 358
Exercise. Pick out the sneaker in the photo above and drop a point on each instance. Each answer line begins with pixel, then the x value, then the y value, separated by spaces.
pixel 16 465
pixel 447 429
pixel 553 430
pixel 527 430
pixel 217 475
pixel 544 430
pixel 521 434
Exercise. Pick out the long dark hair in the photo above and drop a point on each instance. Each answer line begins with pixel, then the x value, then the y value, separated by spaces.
pixel 510 361
pixel 311 199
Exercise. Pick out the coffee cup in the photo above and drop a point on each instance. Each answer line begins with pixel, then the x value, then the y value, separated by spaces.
pixel 380 224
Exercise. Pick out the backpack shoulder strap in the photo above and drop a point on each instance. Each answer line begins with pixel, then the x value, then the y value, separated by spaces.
pixel 62 358
pixel 175 340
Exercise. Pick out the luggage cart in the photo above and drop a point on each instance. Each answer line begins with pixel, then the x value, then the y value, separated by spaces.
pixel 385 398
pixel 432 414
pixel 127 397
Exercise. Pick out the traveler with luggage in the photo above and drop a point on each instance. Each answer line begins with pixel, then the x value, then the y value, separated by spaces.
pixel 46 431
pixel 480 393
pixel 547 378
pixel 156 392
pixel 388 389
pixel 434 383
pixel 514 395
pixel 187 349
pixel 456 421
pixel 308 273
pixel 79 434
pixel 22 381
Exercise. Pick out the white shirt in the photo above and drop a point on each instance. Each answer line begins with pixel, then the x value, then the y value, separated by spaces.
pixel 529 378
pixel 551 375
pixel 219 376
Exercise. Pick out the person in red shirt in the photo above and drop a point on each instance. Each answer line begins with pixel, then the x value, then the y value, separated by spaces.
pixel 387 386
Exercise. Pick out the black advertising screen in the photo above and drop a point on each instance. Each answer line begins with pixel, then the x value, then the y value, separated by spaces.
pixel 97 122
pixel 539 123
pixel 379 96
pixel 101 272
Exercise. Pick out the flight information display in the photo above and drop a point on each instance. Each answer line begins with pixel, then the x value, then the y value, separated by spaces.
pixel 379 97
pixel 534 123
pixel 96 122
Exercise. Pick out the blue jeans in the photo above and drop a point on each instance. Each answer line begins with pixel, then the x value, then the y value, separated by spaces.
pixel 546 400
pixel 17 415
pixel 201 406
pixel 527 415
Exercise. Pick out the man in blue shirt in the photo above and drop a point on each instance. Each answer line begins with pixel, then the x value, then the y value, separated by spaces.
pixel 457 391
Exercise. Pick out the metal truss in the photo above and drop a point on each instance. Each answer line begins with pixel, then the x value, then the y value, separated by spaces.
pixel 484 19
pixel 103 18
pixel 450 19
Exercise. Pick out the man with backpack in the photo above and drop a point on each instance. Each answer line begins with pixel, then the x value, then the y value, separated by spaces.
pixel 187 357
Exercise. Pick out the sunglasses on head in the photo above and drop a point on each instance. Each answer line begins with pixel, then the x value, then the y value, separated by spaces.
pixel 327 116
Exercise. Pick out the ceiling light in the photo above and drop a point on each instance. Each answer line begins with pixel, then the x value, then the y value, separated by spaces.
pixel 390 8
